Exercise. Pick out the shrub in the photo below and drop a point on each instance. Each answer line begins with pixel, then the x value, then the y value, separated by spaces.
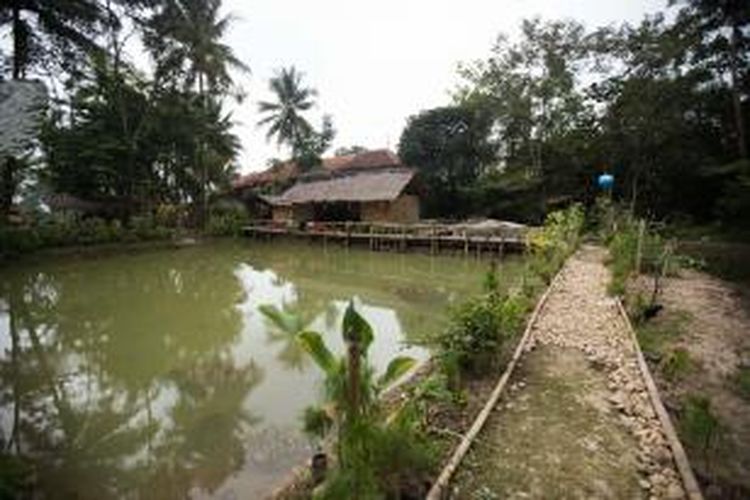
pixel 698 424
pixel 170 215
pixel 477 330
pixel 555 241
pixel 16 241
pixel 66 230
pixel 227 219
pixel 742 381
pixel 677 364
pixel 375 455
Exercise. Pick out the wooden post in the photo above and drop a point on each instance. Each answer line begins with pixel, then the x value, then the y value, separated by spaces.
pixel 639 247
pixel 466 244
pixel 371 240
pixel 432 239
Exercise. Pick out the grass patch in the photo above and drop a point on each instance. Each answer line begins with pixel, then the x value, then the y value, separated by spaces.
pixel 655 336
pixel 677 364
pixel 742 382
pixel 699 426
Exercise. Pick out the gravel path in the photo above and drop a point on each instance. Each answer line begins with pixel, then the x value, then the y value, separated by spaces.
pixel 577 421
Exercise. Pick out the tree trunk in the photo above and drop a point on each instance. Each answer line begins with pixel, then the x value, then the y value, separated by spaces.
pixel 7 186
pixel 18 42
pixel 739 121
pixel 354 373
pixel 202 161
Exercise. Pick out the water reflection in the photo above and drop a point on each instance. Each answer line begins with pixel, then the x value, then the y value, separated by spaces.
pixel 155 376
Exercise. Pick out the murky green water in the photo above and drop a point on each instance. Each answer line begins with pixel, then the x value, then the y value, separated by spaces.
pixel 152 375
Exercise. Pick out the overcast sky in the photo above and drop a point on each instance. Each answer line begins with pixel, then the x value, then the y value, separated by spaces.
pixel 375 63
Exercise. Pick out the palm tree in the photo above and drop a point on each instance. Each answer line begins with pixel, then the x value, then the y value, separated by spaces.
pixel 185 37
pixel 284 117
pixel 37 26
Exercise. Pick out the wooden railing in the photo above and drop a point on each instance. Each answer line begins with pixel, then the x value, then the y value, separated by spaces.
pixel 381 236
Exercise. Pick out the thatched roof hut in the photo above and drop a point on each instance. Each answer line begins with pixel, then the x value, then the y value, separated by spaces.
pixel 383 194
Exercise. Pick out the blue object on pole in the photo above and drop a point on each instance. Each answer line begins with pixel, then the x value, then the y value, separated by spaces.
pixel 606 181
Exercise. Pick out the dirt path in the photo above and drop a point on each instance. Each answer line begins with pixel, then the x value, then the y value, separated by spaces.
pixel 709 319
pixel 577 421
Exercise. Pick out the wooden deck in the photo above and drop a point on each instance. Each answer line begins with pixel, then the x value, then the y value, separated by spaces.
pixel 436 237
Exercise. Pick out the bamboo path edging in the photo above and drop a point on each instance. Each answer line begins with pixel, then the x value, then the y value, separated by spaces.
pixel 678 452
pixel 446 474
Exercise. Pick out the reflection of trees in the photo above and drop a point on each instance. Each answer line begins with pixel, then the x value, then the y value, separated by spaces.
pixel 292 355
pixel 93 356
pixel 209 427
pixel 409 286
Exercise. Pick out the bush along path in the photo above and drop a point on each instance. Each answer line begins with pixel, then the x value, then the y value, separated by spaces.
pixel 576 420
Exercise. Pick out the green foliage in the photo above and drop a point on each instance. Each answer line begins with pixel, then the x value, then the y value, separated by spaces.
pixel 73 231
pixel 656 256
pixel 316 422
pixel 375 456
pixel 52 35
pixel 698 425
pixel 478 329
pixel 677 364
pixel 653 337
pixel 491 284
pixel 741 381
pixel 15 477
pixel 450 146
pixel 550 245
pixel 658 103
pixel 227 219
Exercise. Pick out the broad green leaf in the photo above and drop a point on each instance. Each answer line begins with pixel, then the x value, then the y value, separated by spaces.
pixel 313 344
pixel 356 328
pixel 285 321
pixel 396 368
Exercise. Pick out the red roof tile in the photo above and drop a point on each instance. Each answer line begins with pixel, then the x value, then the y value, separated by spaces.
pixel 289 170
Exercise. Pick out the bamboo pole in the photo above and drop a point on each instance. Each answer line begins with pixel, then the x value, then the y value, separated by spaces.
pixel 678 452
pixel 639 247
pixel 437 490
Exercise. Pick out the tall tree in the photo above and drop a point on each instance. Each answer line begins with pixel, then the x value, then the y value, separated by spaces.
pixel 185 37
pixel 451 148
pixel 724 46
pixel 50 33
pixel 284 117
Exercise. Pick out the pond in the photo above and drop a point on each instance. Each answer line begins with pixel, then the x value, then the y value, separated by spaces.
pixel 153 375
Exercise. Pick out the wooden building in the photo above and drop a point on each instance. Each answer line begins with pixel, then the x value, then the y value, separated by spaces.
pixel 373 195
pixel 373 186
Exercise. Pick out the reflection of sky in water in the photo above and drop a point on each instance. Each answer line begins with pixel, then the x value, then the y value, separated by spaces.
pixel 153 336
pixel 287 390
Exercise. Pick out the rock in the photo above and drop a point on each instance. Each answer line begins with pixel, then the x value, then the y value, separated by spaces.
pixel 674 491
pixel 618 400
pixel 662 455
pixel 657 480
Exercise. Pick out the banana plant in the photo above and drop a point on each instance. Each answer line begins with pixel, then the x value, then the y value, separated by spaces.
pixel 286 324
pixel 351 372
pixel 351 391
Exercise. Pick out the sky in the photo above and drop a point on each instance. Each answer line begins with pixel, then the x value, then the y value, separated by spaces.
pixel 375 63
